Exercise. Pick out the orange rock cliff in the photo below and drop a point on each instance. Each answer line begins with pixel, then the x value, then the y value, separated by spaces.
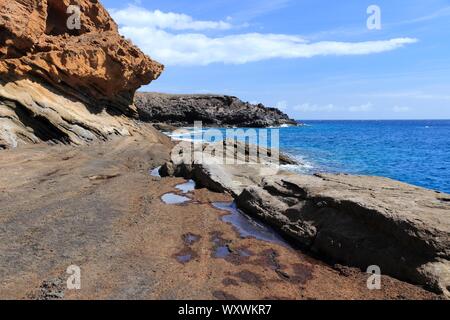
pixel 62 82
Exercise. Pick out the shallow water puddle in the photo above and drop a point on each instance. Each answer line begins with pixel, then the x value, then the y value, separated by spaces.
pixel 184 258
pixel 186 255
pixel 155 172
pixel 222 252
pixel 186 187
pixel 247 226
pixel 220 247
pixel 172 198
pixel 190 238
pixel 244 253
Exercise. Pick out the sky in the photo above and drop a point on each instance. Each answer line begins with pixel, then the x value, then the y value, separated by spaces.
pixel 313 59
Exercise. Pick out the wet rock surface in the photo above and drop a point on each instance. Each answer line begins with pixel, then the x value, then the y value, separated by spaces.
pixel 212 110
pixel 355 220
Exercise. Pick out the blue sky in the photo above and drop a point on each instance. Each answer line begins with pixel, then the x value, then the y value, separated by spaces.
pixel 314 59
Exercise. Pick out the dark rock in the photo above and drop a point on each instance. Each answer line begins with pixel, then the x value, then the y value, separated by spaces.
pixel 360 221
pixel 212 110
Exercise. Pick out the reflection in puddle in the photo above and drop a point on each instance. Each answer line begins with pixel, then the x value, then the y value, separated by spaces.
pixel 247 226
pixel 186 187
pixel 190 238
pixel 244 253
pixel 184 258
pixel 222 252
pixel 172 198
pixel 186 255
pixel 220 246
pixel 155 172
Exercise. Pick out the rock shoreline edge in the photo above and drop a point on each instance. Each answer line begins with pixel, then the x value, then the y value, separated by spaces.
pixel 358 221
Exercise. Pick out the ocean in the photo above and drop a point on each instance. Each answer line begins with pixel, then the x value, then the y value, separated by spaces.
pixel 415 152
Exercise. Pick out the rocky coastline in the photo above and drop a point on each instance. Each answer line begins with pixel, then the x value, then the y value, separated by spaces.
pixel 359 221
pixel 77 150
pixel 213 110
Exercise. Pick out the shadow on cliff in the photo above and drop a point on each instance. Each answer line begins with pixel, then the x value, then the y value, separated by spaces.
pixel 94 105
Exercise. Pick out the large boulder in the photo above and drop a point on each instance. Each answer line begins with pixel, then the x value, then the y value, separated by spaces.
pixel 226 166
pixel 361 221
pixel 58 83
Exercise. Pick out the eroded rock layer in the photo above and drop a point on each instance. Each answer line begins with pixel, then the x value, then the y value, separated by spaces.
pixel 42 55
pixel 31 113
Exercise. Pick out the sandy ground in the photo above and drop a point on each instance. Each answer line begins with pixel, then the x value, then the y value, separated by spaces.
pixel 98 207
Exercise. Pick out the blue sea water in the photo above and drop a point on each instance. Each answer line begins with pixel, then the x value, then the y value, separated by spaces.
pixel 416 152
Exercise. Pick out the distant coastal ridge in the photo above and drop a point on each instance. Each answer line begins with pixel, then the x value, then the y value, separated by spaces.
pixel 181 110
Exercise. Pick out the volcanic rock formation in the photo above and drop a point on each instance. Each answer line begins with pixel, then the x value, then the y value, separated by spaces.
pixel 212 110
pixel 59 83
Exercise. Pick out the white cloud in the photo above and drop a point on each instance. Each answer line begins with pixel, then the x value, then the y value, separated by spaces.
pixel 412 95
pixel 282 105
pixel 150 31
pixel 399 109
pixel 361 108
pixel 134 16
pixel 307 107
pixel 257 8
pixel 198 49
pixel 443 12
